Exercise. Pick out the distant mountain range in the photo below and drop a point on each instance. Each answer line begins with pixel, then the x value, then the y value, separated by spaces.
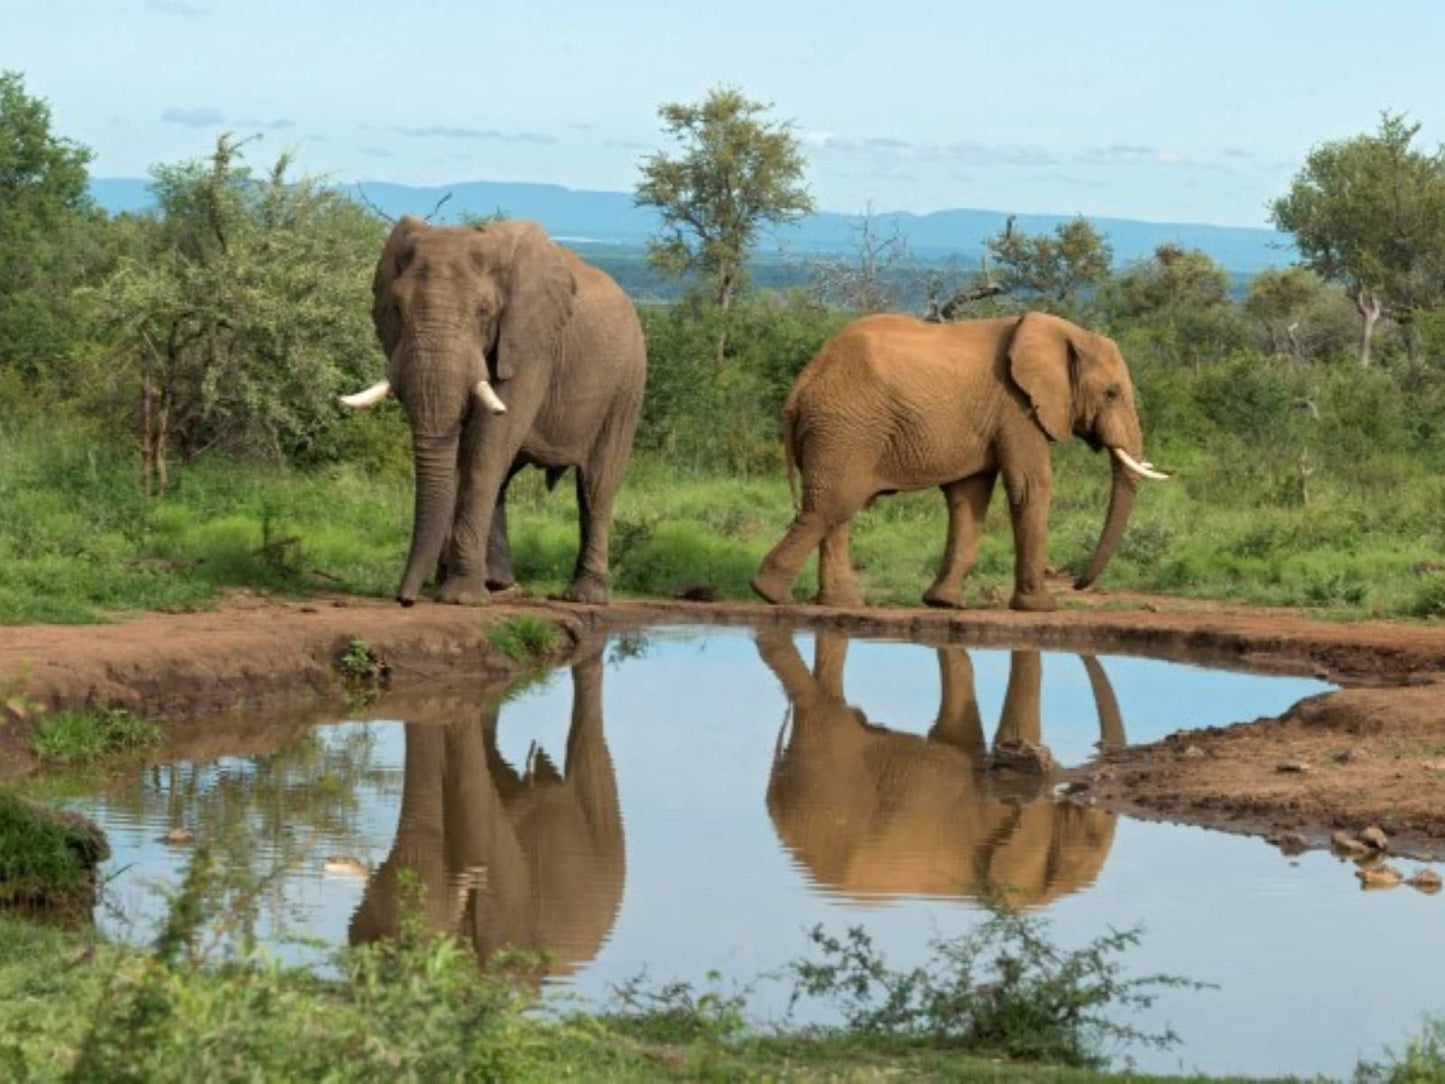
pixel 609 218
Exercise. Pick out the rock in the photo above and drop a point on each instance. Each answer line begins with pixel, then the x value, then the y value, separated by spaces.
pixel 1194 753
pixel 1348 756
pixel 1379 877
pixel 179 837
pixel 1426 880
pixel 1024 757
pixel 1375 839
pixel 1296 767
pixel 1345 843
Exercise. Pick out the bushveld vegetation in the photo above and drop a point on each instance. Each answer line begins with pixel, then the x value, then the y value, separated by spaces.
pixel 167 383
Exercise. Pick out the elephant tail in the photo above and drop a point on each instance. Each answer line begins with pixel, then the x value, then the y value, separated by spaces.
pixel 790 457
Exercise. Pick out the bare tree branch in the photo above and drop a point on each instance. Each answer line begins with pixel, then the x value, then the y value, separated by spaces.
pixel 373 208
pixel 439 204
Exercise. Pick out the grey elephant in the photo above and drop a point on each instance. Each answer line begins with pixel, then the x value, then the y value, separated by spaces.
pixel 531 859
pixel 872 812
pixel 891 403
pixel 507 351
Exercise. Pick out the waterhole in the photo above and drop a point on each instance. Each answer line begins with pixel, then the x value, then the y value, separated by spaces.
pixel 683 802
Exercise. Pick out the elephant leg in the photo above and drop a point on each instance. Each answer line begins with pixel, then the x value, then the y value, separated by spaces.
pixel 1028 497
pixel 959 723
pixel 967 507
pixel 499 547
pixel 774 579
pixel 837 585
pixel 481 487
pixel 1021 719
pixel 597 483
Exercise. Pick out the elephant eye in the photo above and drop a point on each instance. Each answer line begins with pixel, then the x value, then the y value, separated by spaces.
pixel 1111 392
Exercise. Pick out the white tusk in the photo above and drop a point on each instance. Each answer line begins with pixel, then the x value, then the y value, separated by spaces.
pixel 489 397
pixel 370 397
pixel 1145 469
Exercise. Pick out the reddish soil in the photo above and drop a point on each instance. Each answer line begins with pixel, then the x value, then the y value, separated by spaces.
pixel 1372 753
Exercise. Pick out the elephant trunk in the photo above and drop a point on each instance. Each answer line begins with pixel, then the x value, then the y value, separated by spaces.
pixel 436 473
pixel 1121 503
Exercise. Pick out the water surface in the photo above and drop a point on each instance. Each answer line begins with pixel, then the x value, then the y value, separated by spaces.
pixel 694 800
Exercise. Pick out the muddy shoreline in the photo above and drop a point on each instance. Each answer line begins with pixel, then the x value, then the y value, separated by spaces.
pixel 256 669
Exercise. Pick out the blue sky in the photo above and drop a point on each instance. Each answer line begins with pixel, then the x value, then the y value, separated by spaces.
pixel 1170 111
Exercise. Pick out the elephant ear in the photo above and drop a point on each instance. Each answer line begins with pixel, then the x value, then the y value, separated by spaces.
pixel 395 255
pixel 540 292
pixel 1041 364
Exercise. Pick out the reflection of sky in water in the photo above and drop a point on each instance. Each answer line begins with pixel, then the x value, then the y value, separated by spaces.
pixel 692 727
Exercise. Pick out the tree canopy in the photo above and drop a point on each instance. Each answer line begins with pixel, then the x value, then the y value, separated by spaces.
pixel 1369 212
pixel 1075 258
pixel 734 173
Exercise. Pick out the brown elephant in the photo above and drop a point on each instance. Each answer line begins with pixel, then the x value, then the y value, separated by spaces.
pixel 532 860
pixel 892 403
pixel 874 813
pixel 458 309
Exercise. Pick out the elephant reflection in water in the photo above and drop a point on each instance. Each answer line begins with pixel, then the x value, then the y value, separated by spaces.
pixel 873 812
pixel 529 859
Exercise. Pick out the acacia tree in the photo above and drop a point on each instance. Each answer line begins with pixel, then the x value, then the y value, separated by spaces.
pixel 1182 297
pixel 1077 257
pixel 244 312
pixel 735 172
pixel 1369 212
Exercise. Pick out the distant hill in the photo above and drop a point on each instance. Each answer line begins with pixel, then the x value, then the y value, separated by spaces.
pixel 609 218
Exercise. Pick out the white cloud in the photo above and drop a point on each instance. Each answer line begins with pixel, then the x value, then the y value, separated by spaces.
pixel 200 117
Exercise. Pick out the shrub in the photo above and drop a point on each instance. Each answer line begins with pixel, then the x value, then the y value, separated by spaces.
pixel 524 638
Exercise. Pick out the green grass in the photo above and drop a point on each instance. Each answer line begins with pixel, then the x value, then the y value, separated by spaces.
pixel 525 638
pixel 88 737
pixel 79 543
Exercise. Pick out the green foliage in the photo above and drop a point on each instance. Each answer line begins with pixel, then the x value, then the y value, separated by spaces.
pixel 1002 989
pixel 242 314
pixel 363 671
pixel 1057 269
pixel 51 237
pixel 94 736
pixel 1177 304
pixel 525 638
pixel 1421 1062
pixel 39 855
pixel 1369 212
pixel 735 173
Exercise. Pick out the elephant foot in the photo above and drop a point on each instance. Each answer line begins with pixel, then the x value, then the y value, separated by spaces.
pixel 944 598
pixel 500 583
pixel 1036 601
pixel 849 598
pixel 463 591
pixel 589 588
pixel 771 588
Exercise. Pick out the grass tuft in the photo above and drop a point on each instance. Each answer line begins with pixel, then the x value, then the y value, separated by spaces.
pixel 525 638
pixel 81 738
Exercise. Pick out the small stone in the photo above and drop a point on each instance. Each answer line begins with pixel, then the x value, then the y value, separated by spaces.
pixel 1374 838
pixel 1194 753
pixel 1296 767
pixel 1348 756
pixel 179 837
pixel 1379 877
pixel 1347 844
pixel 309 610
pixel 1426 880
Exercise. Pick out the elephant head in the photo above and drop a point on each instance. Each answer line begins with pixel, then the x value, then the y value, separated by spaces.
pixel 876 813
pixel 530 859
pixel 1078 385
pixel 455 308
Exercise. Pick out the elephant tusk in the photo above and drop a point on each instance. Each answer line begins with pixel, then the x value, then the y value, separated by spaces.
pixel 489 397
pixel 1145 469
pixel 370 397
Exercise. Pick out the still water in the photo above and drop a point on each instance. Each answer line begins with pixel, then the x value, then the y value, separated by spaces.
pixel 690 801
